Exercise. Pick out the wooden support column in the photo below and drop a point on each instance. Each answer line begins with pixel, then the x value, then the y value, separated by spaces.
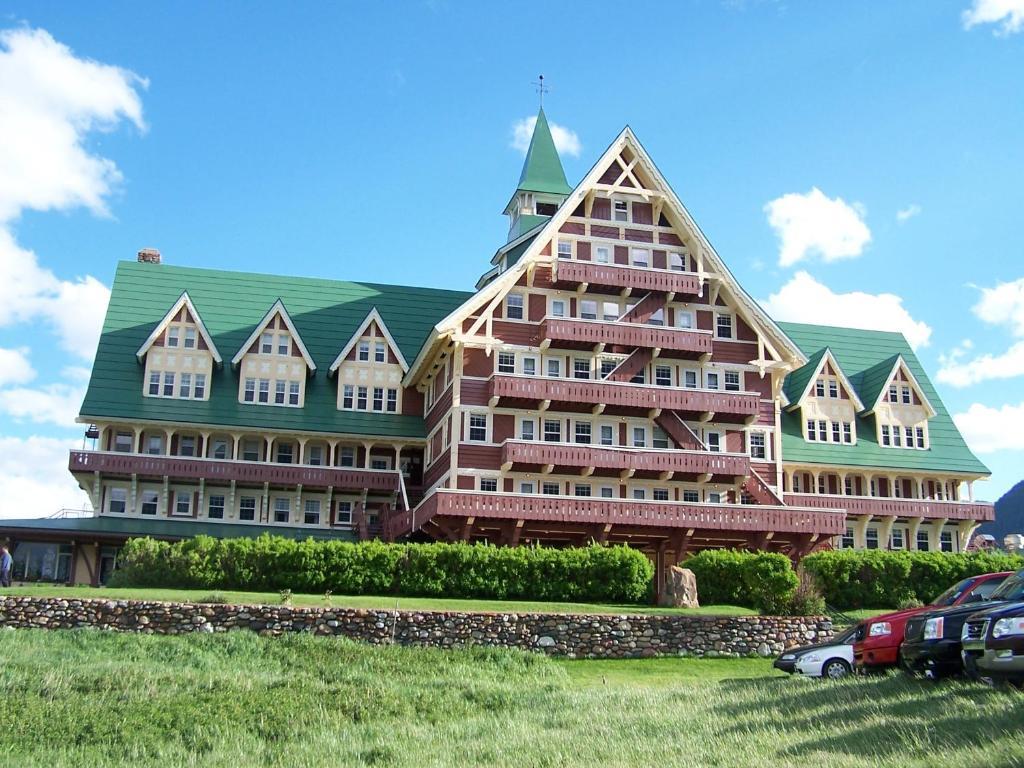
pixel 517 532
pixel 467 529
pixel 165 496
pixel 660 572
pixel 915 525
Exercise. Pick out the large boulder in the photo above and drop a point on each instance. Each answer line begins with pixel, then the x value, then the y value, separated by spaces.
pixel 680 589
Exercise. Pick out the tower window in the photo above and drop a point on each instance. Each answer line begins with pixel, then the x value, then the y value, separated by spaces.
pixel 546 209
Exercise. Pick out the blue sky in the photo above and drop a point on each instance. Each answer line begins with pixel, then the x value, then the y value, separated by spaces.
pixel 374 142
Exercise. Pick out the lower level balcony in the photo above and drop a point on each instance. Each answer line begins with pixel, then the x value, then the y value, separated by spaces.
pixel 622 397
pixel 450 509
pixel 859 506
pixel 110 463
pixel 562 458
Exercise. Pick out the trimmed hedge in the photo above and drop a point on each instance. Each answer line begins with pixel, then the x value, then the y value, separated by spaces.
pixel 875 578
pixel 267 563
pixel 764 581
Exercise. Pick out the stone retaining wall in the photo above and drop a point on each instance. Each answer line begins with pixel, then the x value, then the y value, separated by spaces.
pixel 555 634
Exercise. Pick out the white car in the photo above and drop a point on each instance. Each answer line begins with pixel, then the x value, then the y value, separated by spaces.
pixel 832 661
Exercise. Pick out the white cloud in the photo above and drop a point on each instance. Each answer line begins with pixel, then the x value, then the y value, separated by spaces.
pixel 804 300
pixel 50 102
pixel 566 140
pixel 55 404
pixel 904 214
pixel 72 309
pixel 35 479
pixel 958 372
pixel 1009 14
pixel 1003 305
pixel 814 224
pixel 988 430
pixel 15 367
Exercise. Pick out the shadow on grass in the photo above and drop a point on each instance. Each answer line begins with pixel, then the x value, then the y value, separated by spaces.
pixel 878 716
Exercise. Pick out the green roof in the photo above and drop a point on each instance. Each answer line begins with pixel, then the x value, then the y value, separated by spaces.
pixel 864 356
pixel 164 529
pixel 326 314
pixel 542 169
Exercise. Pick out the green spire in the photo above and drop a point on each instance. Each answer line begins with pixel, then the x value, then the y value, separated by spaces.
pixel 542 170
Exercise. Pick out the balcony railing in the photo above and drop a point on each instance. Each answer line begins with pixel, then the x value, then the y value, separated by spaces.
pixel 222 470
pixel 886 507
pixel 573 273
pixel 576 332
pixel 652 461
pixel 623 396
pixel 571 509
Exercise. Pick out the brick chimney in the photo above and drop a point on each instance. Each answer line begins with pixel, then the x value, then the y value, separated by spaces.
pixel 149 256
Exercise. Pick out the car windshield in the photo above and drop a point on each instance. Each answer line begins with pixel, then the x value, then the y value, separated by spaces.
pixel 952 594
pixel 1011 589
pixel 847 637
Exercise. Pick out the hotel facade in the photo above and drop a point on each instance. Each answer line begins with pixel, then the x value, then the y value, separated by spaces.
pixel 608 381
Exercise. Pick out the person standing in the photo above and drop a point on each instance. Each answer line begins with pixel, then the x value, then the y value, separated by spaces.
pixel 6 564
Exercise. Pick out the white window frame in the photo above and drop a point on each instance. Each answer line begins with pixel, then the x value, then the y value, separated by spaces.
pixel 515 302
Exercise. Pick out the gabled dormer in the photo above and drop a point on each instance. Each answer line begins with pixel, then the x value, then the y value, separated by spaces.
pixel 827 401
pixel 542 186
pixel 273 363
pixel 370 369
pixel 896 399
pixel 179 355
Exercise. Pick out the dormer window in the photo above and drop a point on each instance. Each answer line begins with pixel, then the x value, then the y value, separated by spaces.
pixel 833 389
pixel 284 344
pixel 894 395
pixel 364 351
pixel 907 400
pixel 380 354
pixel 267 344
pixel 620 211
pixel 173 336
pixel 819 388
pixel 190 338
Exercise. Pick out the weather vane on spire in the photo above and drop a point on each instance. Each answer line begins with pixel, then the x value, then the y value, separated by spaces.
pixel 541 89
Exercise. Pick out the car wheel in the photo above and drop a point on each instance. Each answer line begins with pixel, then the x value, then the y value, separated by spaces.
pixel 835 669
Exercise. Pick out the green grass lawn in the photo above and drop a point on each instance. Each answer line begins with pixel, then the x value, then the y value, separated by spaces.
pixel 77 698
pixel 364 601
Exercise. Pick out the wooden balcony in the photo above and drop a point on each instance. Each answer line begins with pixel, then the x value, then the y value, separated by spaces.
pixel 572 332
pixel 856 506
pixel 617 277
pixel 621 397
pixel 472 507
pixel 220 470
pixel 529 455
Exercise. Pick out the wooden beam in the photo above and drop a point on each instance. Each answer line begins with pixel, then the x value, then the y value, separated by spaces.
pixel 467 528
pixel 517 532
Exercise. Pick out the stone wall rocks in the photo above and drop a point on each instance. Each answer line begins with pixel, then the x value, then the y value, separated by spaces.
pixel 575 635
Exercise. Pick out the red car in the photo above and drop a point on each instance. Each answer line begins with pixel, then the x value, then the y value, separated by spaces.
pixel 883 634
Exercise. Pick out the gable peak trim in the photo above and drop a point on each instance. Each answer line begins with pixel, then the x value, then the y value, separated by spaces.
pixel 278 308
pixel 373 316
pixel 184 301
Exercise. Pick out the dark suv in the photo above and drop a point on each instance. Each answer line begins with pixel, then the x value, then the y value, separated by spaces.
pixel 932 640
pixel 993 643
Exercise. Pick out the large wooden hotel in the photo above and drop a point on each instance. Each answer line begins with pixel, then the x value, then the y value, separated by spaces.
pixel 608 380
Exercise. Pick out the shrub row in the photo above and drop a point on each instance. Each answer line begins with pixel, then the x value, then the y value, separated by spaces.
pixel 268 563
pixel 848 579
pixel 764 581
pixel 876 578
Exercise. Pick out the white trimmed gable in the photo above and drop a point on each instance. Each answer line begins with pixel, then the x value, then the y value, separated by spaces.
pixel 190 316
pixel 372 321
pixel 901 376
pixel 276 312
pixel 828 368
